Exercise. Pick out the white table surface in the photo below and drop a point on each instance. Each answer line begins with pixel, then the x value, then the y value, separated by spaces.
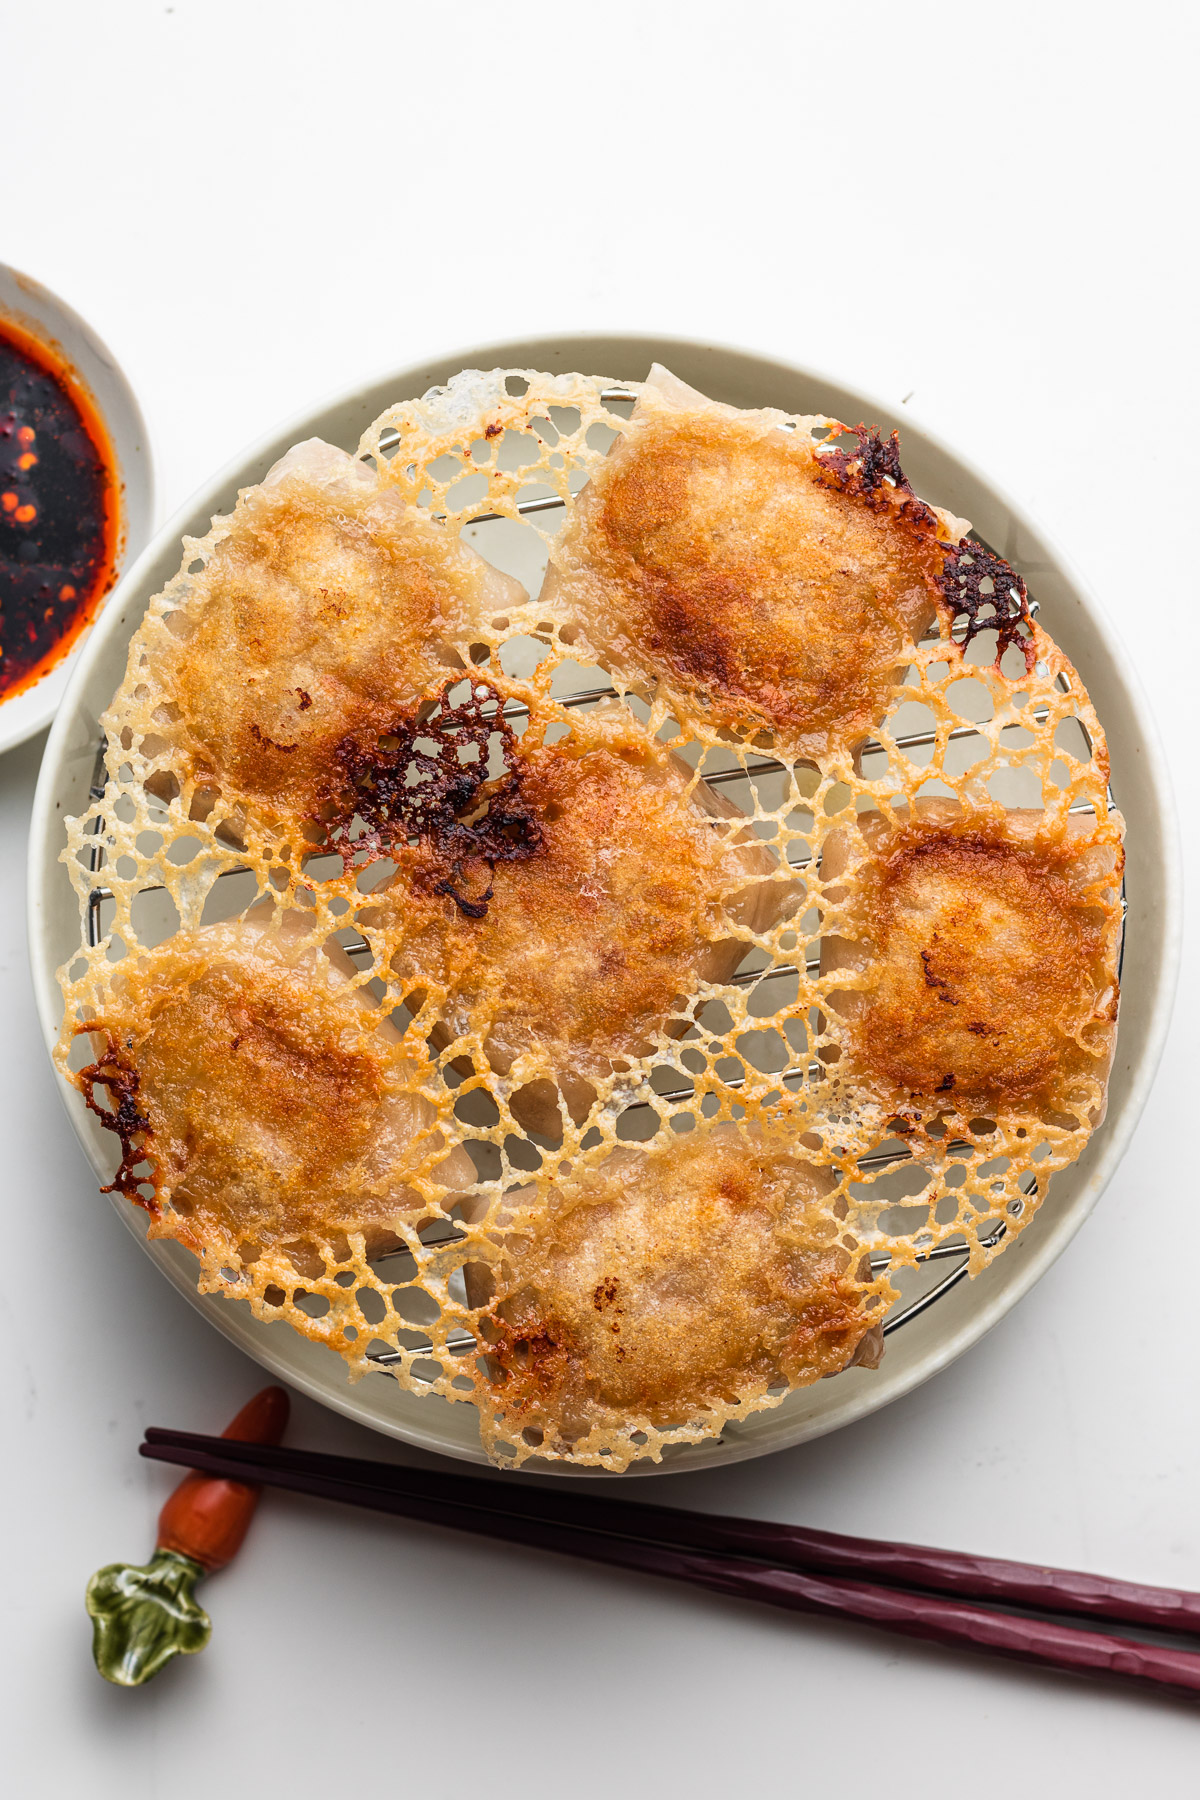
pixel 986 209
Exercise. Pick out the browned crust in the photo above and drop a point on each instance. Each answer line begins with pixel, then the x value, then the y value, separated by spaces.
pixel 977 590
pixel 255 1097
pixel 445 799
pixel 989 950
pixel 703 613
pixel 875 465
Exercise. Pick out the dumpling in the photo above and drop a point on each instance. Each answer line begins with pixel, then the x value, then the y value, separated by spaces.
pixel 324 607
pixel 760 579
pixel 668 1285
pixel 265 1099
pixel 588 891
pixel 984 949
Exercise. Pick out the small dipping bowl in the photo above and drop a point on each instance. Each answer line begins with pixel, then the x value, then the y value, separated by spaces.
pixel 70 341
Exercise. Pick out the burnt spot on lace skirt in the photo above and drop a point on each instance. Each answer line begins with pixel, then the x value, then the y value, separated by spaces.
pixel 865 470
pixel 123 1115
pixel 871 473
pixel 980 589
pixel 448 777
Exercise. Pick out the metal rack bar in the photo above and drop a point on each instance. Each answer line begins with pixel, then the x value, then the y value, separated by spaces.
pixel 535 506
pixel 718 778
pixel 464 1342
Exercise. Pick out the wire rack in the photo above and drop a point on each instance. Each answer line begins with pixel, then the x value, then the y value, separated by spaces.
pixel 928 1279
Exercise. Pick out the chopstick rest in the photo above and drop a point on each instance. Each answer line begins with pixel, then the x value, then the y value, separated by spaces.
pixel 145 1614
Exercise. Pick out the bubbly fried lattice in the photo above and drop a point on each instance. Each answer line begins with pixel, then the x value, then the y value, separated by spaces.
pixel 669 1288
pixel 773 836
pixel 748 569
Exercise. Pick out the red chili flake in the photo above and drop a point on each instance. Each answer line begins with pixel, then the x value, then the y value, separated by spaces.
pixel 59 508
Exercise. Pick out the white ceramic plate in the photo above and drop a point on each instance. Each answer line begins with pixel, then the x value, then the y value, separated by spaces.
pixel 45 316
pixel 970 1308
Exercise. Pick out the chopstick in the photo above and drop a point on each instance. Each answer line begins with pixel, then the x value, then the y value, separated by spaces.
pixel 780 1565
pixel 786 1546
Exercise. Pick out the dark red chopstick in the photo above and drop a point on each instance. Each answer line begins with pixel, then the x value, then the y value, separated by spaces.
pixel 619 1533
pixel 783 1546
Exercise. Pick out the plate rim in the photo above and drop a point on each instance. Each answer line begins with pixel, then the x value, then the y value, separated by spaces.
pixel 1034 1252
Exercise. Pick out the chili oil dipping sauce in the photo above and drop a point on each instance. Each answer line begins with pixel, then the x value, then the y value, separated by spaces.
pixel 60 512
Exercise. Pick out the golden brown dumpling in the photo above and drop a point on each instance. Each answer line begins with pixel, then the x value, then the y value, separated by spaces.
pixel 325 607
pixel 267 1096
pixel 759 579
pixel 667 1284
pixel 602 884
pixel 985 950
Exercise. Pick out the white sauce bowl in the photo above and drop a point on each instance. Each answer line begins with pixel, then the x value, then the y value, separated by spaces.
pixel 33 307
